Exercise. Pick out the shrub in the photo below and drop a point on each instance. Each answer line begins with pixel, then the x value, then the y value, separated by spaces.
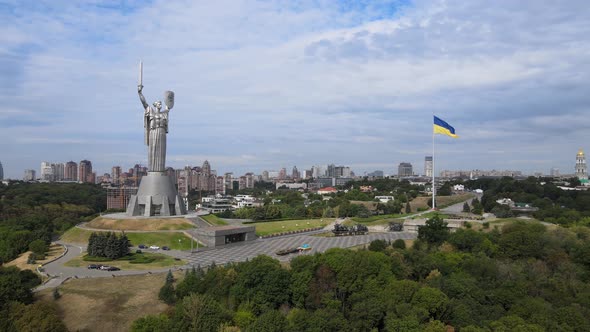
pixel 399 244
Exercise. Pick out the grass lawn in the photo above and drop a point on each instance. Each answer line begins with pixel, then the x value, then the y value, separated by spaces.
pixel 432 214
pixel 499 223
pixel 442 201
pixel 214 220
pixel 170 239
pixel 374 220
pixel 273 227
pixel 108 304
pixel 124 263
pixel 176 241
pixel 153 224
pixel 53 251
pixel 76 235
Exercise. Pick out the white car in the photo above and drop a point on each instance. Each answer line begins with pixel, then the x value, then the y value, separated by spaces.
pixel 154 247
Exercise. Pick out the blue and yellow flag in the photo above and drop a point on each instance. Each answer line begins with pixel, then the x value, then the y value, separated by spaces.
pixel 441 127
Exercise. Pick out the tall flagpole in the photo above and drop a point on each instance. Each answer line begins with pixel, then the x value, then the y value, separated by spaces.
pixel 433 184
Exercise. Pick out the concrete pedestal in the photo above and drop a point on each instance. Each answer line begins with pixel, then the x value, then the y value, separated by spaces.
pixel 156 196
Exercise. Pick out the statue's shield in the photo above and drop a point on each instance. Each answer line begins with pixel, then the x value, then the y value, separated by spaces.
pixel 169 99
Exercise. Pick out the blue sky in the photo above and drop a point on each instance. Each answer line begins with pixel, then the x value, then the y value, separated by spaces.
pixel 270 84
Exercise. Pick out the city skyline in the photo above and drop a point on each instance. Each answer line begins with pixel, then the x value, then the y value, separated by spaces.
pixel 278 173
pixel 269 85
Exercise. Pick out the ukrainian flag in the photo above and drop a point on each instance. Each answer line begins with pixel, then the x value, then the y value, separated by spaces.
pixel 441 127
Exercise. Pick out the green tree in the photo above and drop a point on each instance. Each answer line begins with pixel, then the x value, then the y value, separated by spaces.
pixel 521 239
pixel 514 323
pixel 262 282
pixel 378 245
pixel 15 285
pixel 399 244
pixel 40 316
pixel 434 301
pixel 151 323
pixel 199 313
pixel 466 207
pixel 435 231
pixel 270 321
pixel 190 283
pixel 39 247
pixel 166 293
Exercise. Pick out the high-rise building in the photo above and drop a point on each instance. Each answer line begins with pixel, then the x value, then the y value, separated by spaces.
pixel 206 169
pixel 428 166
pixel 265 176
pixel 317 172
pixel 85 172
pixel 404 169
pixel 46 171
pixel 308 173
pixel 71 171
pixel 29 175
pixel 331 171
pixel 206 182
pixel 171 172
pixel 376 174
pixel 341 172
pixel 295 175
pixel 581 169
pixel 220 185
pixel 227 180
pixel 116 174
pixel 249 180
pixel 1 172
pixel 283 174
pixel 554 171
pixel 58 171
pixel 183 181
pixel 118 197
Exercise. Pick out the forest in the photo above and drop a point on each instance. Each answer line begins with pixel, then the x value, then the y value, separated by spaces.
pixel 522 276
pixel 557 206
pixel 38 211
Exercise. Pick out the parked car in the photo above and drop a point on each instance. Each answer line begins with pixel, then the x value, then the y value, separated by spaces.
pixel 154 247
pixel 142 246
pixel 138 251
pixel 165 248
pixel 93 266
pixel 113 268
pixel 104 267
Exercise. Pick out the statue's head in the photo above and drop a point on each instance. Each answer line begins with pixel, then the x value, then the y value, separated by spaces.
pixel 158 104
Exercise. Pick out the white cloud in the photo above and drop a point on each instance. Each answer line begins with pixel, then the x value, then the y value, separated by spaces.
pixel 306 84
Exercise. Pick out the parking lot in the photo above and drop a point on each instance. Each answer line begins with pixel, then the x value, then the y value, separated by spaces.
pixel 243 251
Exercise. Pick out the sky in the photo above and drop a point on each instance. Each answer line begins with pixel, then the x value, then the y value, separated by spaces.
pixel 262 85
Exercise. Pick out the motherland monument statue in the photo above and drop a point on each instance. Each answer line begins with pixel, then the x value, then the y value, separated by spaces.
pixel 157 195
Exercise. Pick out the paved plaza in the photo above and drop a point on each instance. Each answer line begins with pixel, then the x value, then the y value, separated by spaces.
pixel 241 252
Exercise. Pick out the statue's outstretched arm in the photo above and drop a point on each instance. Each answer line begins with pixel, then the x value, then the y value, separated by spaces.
pixel 141 97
